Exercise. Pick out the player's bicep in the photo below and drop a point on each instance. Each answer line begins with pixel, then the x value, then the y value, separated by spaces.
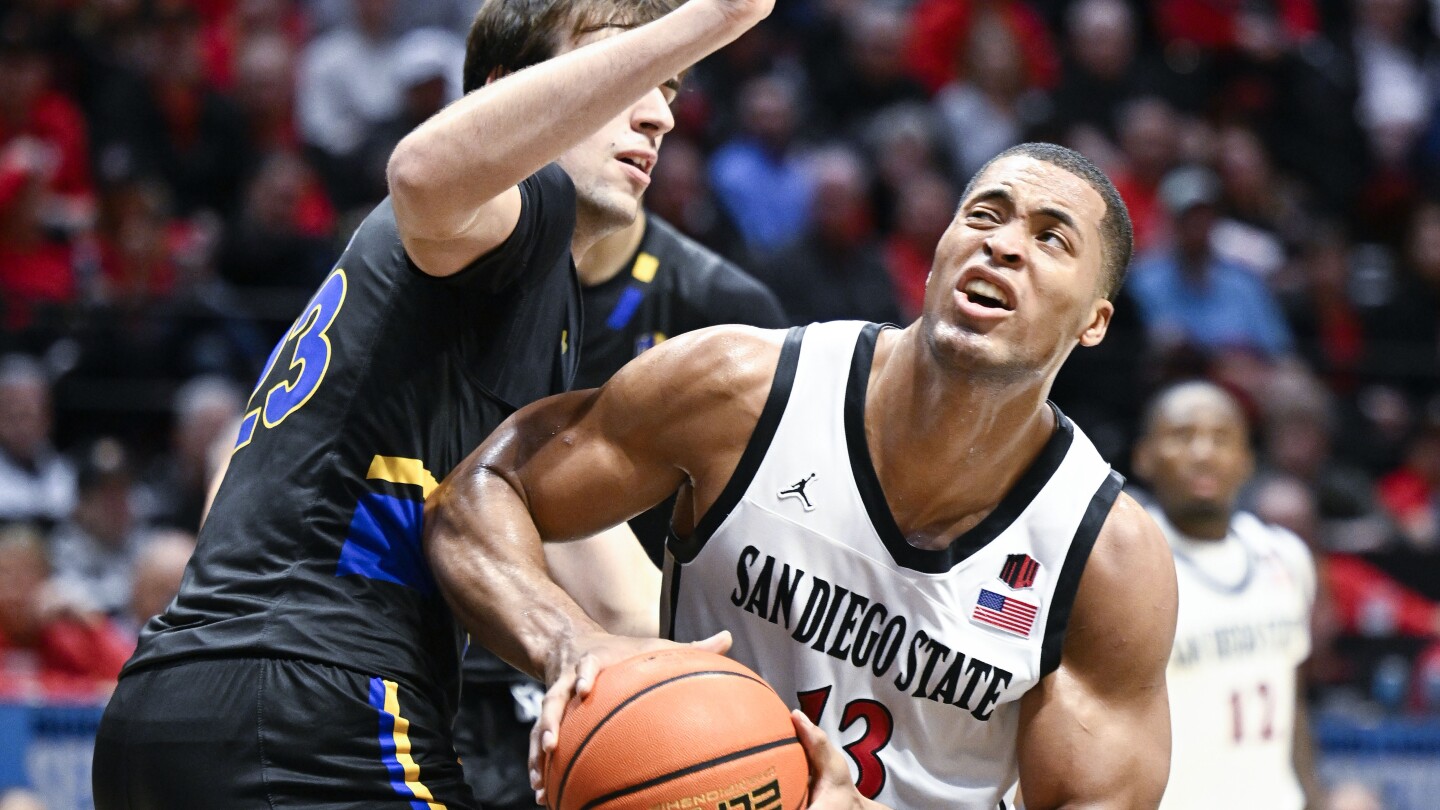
pixel 1096 732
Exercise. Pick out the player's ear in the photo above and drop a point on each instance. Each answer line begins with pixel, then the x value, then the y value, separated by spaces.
pixel 1098 323
pixel 496 75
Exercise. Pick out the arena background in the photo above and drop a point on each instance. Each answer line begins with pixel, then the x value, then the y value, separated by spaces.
pixel 176 177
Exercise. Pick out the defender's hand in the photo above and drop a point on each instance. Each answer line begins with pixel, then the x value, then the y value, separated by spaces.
pixel 830 784
pixel 572 672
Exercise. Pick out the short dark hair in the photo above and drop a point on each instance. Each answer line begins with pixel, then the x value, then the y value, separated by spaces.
pixel 511 35
pixel 1115 229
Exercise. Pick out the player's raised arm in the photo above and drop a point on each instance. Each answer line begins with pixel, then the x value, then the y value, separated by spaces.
pixel 453 180
pixel 1096 732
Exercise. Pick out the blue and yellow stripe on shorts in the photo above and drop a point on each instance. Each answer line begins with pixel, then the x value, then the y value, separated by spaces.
pixel 395 747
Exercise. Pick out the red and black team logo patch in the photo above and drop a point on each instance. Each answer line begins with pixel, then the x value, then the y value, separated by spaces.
pixel 1019 571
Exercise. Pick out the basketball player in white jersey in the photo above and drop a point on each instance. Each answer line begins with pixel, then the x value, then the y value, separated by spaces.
pixel 894 525
pixel 1237 706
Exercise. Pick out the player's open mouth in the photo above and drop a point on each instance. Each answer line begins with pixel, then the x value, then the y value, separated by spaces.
pixel 643 162
pixel 986 294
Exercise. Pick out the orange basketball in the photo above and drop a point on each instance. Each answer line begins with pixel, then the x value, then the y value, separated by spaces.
pixel 677 729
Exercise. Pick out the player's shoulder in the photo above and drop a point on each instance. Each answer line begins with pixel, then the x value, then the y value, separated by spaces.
pixel 1127 601
pixel 716 358
pixel 1130 539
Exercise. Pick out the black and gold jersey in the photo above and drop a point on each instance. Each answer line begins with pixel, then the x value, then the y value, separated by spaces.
pixel 386 381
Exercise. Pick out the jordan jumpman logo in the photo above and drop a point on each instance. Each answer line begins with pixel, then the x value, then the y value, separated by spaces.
pixel 798 491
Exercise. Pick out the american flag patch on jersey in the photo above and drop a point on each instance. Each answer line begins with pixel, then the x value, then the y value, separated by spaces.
pixel 1005 612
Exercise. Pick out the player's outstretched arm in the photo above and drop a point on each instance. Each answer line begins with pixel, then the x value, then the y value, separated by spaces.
pixel 1096 732
pixel 453 180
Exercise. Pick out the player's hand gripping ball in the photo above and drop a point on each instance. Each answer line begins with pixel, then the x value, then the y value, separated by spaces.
pixel 677 729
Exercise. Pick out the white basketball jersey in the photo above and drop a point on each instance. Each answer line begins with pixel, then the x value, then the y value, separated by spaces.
pixel 1243 629
pixel 912 660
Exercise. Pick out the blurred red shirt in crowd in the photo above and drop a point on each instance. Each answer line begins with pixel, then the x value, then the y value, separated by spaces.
pixel 938 27
pixel 49 647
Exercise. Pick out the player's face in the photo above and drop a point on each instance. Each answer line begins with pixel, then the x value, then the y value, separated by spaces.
pixel 1196 457
pixel 611 168
pixel 1016 279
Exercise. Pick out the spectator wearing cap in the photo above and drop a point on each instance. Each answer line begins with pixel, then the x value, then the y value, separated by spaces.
pixel 94 551
pixel 36 483
pixel 427 72
pixel 1190 295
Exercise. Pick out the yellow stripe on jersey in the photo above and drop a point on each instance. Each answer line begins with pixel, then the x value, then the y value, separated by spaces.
pixel 645 267
pixel 402 745
pixel 399 470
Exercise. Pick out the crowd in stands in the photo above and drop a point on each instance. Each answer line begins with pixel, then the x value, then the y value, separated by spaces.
pixel 176 176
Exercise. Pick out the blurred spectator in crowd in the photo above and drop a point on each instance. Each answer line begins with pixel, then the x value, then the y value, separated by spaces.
pixel 139 243
pixel 1149 148
pixel 836 269
pixel 1411 494
pixel 1102 72
pixel 866 73
pixel 1188 294
pixel 346 83
pixel 45 186
pixel 349 84
pixel 1395 102
pixel 1353 796
pixel 265 92
pixel 425 72
pixel 281 238
pixel 159 567
pixel 1329 328
pixel 941 31
pixel 94 551
pixel 204 409
pixel 1228 28
pixel 37 119
pixel 160 118
pixel 1298 423
pixel 1405 327
pixel 990 107
pixel 50 642
pixel 36 483
pixel 453 15
pixel 759 176
pixel 1260 215
pixel 227 39
pixel 926 211
pixel 903 147
pixel 680 193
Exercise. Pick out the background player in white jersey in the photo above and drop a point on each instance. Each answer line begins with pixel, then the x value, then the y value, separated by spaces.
pixel 1237 705
pixel 949 429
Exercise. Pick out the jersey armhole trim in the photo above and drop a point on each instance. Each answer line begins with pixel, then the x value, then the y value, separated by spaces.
pixel 1068 585
pixel 685 550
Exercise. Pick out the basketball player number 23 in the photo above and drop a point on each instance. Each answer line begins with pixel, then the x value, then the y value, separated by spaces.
pixel 308 349
pixel 879 725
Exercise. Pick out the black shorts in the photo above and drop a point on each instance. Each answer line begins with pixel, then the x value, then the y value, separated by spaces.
pixel 260 734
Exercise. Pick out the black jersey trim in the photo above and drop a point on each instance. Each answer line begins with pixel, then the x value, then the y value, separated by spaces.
pixel 669 617
pixel 936 561
pixel 1068 584
pixel 685 550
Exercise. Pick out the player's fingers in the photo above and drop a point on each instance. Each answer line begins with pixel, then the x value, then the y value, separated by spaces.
pixel 827 765
pixel 585 673
pixel 718 643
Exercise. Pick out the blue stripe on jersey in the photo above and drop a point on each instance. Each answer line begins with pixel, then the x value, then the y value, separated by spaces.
pixel 384 543
pixel 625 308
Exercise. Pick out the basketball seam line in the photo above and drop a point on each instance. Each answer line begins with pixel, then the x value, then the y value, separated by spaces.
pixel 565 777
pixel 689 769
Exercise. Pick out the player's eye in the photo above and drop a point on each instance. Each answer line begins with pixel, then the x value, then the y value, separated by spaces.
pixel 983 215
pixel 1055 238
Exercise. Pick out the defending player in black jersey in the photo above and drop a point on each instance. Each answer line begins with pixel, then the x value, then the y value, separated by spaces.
pixel 309 659
pixel 640 285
